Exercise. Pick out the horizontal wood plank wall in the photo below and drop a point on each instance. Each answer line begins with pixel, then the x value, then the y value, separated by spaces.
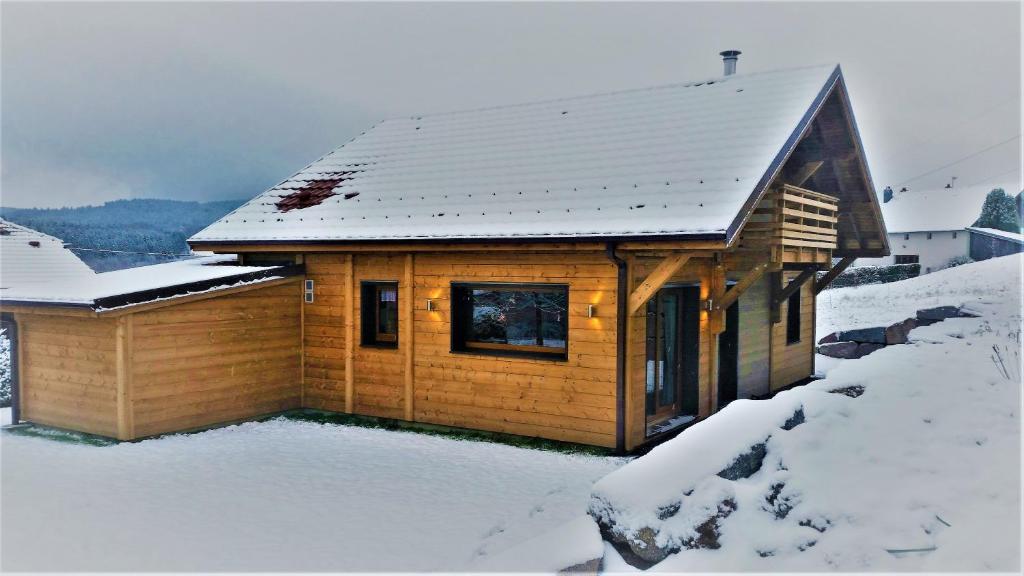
pixel 217 360
pixel 571 400
pixel 793 362
pixel 325 333
pixel 695 271
pixel 379 372
pixel 69 372
pixel 754 339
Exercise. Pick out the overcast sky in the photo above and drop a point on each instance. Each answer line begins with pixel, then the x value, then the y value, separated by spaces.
pixel 207 101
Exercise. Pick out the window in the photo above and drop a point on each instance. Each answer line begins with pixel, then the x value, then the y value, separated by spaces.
pixel 380 314
pixel 511 319
pixel 954 235
pixel 906 259
pixel 906 236
pixel 793 319
pixel 929 235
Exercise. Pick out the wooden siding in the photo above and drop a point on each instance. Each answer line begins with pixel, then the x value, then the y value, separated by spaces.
pixel 754 341
pixel 216 360
pixel 379 372
pixel 571 400
pixel 793 362
pixel 324 333
pixel 69 372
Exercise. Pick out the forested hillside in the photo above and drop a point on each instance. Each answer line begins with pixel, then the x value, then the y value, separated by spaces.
pixel 140 225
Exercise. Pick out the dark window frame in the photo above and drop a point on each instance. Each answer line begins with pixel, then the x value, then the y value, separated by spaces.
pixel 369 309
pixel 794 321
pixel 906 259
pixel 461 309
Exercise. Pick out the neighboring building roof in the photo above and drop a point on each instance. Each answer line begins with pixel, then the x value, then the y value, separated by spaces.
pixel 29 256
pixel 133 286
pixel 1001 234
pixel 934 210
pixel 678 160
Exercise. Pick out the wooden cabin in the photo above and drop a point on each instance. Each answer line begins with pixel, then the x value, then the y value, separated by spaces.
pixel 602 270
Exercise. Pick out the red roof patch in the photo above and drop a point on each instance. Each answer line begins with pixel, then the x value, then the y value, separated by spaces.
pixel 313 193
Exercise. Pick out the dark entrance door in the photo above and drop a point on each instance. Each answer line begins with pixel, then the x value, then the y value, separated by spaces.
pixel 673 357
pixel 729 356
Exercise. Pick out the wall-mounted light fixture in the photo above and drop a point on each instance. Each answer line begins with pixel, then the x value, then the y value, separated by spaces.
pixel 430 305
pixel 591 310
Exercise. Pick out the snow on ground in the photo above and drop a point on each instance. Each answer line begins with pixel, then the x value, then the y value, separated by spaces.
pixel 281 496
pixel 919 472
pixel 987 285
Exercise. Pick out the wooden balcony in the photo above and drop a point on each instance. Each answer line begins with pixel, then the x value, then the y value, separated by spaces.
pixel 794 224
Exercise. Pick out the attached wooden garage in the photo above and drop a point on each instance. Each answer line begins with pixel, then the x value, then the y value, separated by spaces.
pixel 223 348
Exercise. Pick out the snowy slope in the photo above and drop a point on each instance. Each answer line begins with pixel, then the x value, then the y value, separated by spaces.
pixel 989 285
pixel 920 471
pixel 678 159
pixel 280 496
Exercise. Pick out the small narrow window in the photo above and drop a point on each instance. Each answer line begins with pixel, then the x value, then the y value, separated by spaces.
pixel 379 310
pixel 954 235
pixel 511 319
pixel 929 235
pixel 793 319
pixel 906 236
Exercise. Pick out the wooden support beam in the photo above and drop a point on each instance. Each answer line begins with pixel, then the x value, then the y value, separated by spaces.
pixel 350 333
pixel 832 273
pixel 655 280
pixel 774 287
pixel 407 337
pixel 804 173
pixel 124 346
pixel 741 286
pixel 794 285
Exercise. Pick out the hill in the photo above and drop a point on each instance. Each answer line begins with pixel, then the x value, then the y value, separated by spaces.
pixel 139 225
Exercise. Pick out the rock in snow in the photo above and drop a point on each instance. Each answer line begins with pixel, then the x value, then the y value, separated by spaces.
pixel 917 449
pixel 845 350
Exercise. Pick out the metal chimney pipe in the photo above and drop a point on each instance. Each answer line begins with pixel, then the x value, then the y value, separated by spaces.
pixel 729 58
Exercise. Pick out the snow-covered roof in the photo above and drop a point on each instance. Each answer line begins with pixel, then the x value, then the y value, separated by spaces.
pixel 144 284
pixel 28 256
pixel 677 160
pixel 934 210
pixel 1002 234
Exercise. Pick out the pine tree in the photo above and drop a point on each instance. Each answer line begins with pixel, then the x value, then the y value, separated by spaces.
pixel 999 212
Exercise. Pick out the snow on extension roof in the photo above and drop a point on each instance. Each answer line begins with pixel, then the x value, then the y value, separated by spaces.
pixel 1003 234
pixel 670 160
pixel 934 210
pixel 144 284
pixel 29 256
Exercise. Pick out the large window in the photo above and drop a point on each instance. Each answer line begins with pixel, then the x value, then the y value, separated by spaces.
pixel 379 314
pixel 793 319
pixel 511 319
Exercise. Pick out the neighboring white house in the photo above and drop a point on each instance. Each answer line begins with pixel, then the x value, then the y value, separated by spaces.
pixel 929 227
pixel 29 257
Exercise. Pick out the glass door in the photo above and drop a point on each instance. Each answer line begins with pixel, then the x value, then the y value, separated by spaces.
pixel 672 357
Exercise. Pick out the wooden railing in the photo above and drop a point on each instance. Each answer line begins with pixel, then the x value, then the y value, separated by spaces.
pixel 796 224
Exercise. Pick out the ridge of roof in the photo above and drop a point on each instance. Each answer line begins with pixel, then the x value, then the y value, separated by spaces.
pixel 687 84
